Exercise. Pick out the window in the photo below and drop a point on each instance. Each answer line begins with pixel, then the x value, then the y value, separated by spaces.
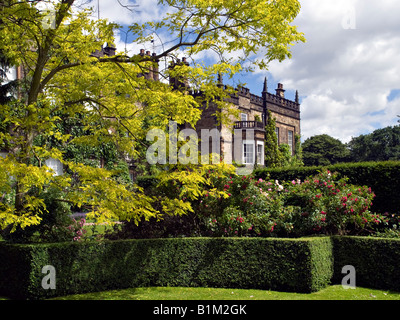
pixel 243 117
pixel 290 141
pixel 277 133
pixel 260 152
pixel 248 152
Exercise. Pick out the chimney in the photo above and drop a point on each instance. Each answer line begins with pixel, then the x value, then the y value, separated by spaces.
pixel 152 71
pixel 184 61
pixel 280 91
pixel 178 83
pixel 155 68
pixel 109 50
pixel 149 74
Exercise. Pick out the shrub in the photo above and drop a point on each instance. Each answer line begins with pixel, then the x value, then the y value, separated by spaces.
pixel 374 259
pixel 252 207
pixel 322 204
pixel 328 205
pixel 53 226
pixel 244 206
pixel 303 265
pixel 383 178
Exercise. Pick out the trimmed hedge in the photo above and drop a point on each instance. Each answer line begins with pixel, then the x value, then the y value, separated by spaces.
pixel 376 261
pixel 382 177
pixel 298 265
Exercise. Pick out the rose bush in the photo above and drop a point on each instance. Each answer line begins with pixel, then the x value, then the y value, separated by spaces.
pixel 322 204
pixel 327 204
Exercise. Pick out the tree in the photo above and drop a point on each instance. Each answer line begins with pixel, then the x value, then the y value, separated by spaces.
pixel 380 145
pixel 273 156
pixel 64 78
pixel 324 150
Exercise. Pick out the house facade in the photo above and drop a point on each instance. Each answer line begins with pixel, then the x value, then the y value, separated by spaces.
pixel 244 143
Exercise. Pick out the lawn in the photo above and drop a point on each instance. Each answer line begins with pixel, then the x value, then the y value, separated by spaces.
pixel 336 292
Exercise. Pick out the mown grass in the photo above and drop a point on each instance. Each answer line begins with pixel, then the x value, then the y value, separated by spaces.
pixel 336 292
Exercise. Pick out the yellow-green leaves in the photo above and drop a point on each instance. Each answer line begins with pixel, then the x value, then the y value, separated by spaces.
pixel 109 199
pixel 115 101
pixel 21 178
pixel 190 182
pixel 245 28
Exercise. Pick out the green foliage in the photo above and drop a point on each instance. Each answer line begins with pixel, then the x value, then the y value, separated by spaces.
pixel 287 265
pixel 374 259
pixel 107 101
pixel 176 189
pixel 54 224
pixel 322 150
pixel 321 204
pixel 273 156
pixel 305 265
pixel 381 177
pixel 380 145
pixel 330 205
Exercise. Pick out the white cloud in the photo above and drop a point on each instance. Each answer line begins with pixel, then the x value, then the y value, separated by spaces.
pixel 345 75
pixel 125 12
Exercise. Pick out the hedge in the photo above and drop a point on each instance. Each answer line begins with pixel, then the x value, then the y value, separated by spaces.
pixel 376 261
pixel 382 177
pixel 296 265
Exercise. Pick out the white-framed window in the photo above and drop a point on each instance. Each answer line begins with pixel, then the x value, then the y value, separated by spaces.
pixel 290 141
pixel 248 152
pixel 56 165
pixel 243 117
pixel 260 152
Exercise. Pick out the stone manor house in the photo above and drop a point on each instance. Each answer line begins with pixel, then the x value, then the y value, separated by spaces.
pixel 253 112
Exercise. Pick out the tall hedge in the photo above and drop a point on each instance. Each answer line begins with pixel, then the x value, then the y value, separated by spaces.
pixel 376 261
pixel 382 177
pixel 302 265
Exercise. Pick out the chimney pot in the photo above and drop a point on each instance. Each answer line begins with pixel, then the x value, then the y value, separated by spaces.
pixel 280 91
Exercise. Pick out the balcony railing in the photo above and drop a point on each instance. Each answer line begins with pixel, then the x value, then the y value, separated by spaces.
pixel 249 125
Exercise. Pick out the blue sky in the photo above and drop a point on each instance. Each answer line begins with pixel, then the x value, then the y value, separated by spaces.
pixel 347 73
